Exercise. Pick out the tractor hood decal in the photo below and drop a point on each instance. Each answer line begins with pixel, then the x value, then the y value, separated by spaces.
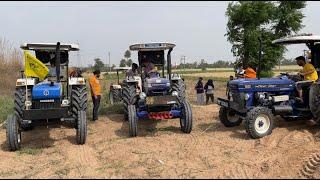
pixel 266 84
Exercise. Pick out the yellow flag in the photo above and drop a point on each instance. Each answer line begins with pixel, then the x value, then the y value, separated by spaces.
pixel 34 67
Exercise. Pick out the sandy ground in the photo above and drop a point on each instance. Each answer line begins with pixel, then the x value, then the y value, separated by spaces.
pixel 161 150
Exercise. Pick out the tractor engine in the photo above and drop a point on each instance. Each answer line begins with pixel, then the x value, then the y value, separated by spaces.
pixel 46 95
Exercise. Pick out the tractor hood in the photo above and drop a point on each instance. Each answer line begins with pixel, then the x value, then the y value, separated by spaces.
pixel 157 85
pixel 263 84
pixel 45 90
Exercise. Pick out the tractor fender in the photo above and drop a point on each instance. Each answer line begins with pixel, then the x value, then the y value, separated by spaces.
pixel 77 81
pixel 24 82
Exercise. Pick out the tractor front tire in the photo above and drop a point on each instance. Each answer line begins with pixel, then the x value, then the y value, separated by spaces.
pixel 129 95
pixel 314 101
pixel 79 101
pixel 13 133
pixel 133 121
pixel 81 127
pixel 259 122
pixel 180 87
pixel 186 117
pixel 228 117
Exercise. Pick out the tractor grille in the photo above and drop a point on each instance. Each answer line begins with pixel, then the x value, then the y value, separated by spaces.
pixel 239 99
pixel 159 99
pixel 37 104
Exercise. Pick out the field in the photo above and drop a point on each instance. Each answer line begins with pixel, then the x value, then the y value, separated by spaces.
pixel 161 150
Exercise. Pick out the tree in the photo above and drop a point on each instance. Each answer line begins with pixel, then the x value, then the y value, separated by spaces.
pixel 248 20
pixel 122 63
pixel 98 64
pixel 127 54
pixel 129 62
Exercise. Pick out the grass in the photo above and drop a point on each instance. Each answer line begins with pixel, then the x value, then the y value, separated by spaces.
pixel 30 151
pixel 6 107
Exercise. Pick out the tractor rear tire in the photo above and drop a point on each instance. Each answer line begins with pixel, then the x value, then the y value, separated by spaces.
pixel 225 116
pixel 129 95
pixel 259 122
pixel 81 127
pixel 133 121
pixel 13 133
pixel 19 106
pixel 314 101
pixel 186 117
pixel 180 87
pixel 79 101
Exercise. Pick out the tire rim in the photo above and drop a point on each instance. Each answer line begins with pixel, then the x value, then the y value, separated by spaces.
pixel 262 124
pixel 232 118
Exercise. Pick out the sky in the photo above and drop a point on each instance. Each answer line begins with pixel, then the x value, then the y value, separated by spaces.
pixel 196 27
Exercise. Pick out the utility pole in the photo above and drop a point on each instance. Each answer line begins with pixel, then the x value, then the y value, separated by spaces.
pixel 183 60
pixel 109 62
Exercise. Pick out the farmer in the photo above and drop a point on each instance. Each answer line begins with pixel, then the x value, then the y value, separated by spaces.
pixel 134 72
pixel 308 72
pixel 200 91
pixel 95 93
pixel 249 72
pixel 227 89
pixel 209 91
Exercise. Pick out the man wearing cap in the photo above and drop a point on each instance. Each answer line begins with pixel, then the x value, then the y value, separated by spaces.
pixel 95 93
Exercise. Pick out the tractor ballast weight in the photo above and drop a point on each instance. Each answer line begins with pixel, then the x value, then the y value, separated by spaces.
pixel 257 101
pixel 161 97
pixel 52 101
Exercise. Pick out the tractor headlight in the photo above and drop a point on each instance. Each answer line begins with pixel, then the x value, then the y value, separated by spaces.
pixel 142 95
pixel 28 103
pixel 168 84
pixel 174 93
pixel 246 97
pixel 65 102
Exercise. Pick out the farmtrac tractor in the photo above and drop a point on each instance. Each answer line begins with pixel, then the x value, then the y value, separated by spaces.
pixel 57 99
pixel 161 96
pixel 115 92
pixel 257 101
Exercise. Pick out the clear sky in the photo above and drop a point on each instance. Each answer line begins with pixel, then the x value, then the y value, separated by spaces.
pixel 197 28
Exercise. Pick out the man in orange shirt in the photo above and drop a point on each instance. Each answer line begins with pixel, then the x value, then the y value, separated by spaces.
pixel 95 93
pixel 249 72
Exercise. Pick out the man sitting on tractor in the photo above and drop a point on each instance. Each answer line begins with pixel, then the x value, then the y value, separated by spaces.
pixel 134 72
pixel 308 72
pixel 249 72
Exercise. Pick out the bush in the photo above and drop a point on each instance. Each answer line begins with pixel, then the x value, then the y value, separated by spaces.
pixel 266 74
pixel 6 107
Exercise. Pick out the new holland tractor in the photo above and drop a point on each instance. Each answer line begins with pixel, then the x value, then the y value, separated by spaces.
pixel 115 92
pixel 161 95
pixel 258 101
pixel 58 98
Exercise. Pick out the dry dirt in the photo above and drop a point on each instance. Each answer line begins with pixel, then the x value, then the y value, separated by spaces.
pixel 162 151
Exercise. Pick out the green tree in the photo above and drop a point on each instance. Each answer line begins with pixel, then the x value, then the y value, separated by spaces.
pixel 248 20
pixel 127 54
pixel 129 62
pixel 122 63
pixel 98 64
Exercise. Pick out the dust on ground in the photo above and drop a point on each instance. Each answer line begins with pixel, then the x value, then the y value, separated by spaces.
pixel 161 150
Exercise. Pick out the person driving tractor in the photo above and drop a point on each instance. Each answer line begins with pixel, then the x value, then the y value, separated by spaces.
pixel 308 72
pixel 249 72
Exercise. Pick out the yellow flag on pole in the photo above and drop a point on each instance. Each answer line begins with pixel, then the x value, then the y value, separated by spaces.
pixel 34 67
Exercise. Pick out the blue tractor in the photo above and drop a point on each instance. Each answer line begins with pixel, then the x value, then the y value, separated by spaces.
pixel 58 98
pixel 258 101
pixel 155 95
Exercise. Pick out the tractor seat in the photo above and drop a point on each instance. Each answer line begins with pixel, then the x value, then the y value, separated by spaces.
pixel 306 83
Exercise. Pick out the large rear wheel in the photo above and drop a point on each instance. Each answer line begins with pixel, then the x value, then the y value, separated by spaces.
pixel 314 101
pixel 228 117
pixel 79 101
pixel 129 95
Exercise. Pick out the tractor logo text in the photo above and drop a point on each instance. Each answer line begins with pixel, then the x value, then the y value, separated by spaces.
pixel 46 92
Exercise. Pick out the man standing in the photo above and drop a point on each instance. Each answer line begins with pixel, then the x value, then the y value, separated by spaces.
pixel 95 93
pixel 200 92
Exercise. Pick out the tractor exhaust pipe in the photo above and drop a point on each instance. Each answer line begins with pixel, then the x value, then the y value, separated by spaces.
pixel 260 57
pixel 58 61
pixel 169 64
pixel 282 110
